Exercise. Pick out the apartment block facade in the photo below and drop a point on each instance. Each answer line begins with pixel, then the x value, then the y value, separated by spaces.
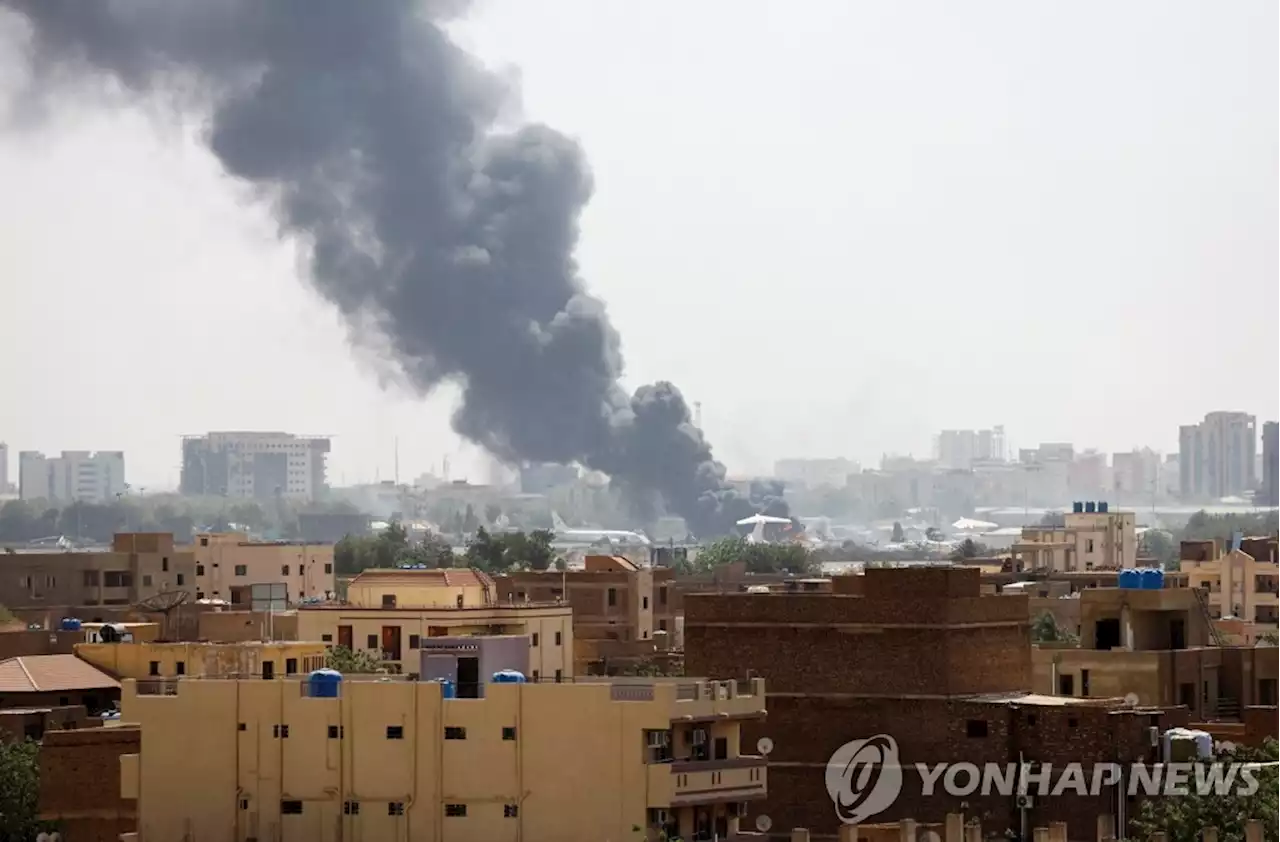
pixel 254 466
pixel 1240 581
pixel 1092 537
pixel 139 565
pixel 228 564
pixel 1217 456
pixel 574 762
pixel 75 476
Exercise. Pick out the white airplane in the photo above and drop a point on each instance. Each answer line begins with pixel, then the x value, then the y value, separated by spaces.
pixel 625 537
pixel 760 521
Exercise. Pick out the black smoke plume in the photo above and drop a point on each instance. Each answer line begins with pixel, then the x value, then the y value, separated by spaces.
pixel 376 141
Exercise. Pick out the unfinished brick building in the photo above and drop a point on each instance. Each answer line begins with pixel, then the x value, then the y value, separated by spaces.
pixel 917 654
pixel 80 782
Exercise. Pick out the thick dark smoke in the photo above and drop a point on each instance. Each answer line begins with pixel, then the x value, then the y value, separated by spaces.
pixel 374 137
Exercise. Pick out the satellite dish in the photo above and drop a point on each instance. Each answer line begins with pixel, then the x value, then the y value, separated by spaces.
pixel 764 745
pixel 763 823
pixel 1131 700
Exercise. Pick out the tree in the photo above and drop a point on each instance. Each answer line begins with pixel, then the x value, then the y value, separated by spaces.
pixel 1183 817
pixel 1158 544
pixel 19 791
pixel 491 513
pixel 969 548
pixel 1045 629
pixel 898 535
pixel 758 558
pixel 470 523
pixel 346 660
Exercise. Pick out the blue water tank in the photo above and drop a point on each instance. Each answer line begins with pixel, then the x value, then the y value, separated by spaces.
pixel 324 684
pixel 1152 579
pixel 69 624
pixel 1077 507
pixel 448 690
pixel 1129 579
pixel 1102 507
pixel 508 677
pixel 1090 507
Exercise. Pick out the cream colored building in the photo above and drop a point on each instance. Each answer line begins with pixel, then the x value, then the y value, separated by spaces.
pixel 1241 583
pixel 389 612
pixel 153 660
pixel 234 761
pixel 1087 540
pixel 228 563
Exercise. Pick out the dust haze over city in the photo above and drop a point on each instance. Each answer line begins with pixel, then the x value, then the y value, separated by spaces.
pixel 851 234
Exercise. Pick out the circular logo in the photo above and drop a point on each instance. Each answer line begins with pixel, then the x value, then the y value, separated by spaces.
pixel 863 778
pixel 764 745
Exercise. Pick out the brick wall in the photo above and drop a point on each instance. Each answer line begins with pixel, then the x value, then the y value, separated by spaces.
pixel 23 723
pixel 1260 722
pixel 80 782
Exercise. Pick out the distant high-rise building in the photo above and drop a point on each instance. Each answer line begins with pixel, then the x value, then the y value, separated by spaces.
pixel 960 449
pixel 4 468
pixel 816 473
pixel 257 466
pixel 1216 456
pixel 76 475
pixel 1136 474
pixel 1270 464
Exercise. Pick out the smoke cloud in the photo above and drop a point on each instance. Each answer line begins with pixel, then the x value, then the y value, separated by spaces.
pixel 375 140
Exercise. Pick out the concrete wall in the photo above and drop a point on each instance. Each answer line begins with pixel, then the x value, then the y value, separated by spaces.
pixel 440 656
pixel 80 782
pixel 227 560
pixel 31 723
pixel 172 660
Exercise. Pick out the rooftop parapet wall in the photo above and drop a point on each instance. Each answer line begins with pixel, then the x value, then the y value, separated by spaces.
pixel 901 608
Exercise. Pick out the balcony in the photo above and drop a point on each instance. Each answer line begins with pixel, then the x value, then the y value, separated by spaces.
pixel 700 700
pixel 686 783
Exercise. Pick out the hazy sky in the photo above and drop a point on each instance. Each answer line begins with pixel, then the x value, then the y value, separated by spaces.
pixel 841 226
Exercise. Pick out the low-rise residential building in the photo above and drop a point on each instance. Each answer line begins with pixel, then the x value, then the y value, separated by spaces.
pixel 395 759
pixel 388 613
pixel 138 566
pixel 615 608
pixel 55 681
pixel 228 565
pixel 1242 581
pixel 153 660
pixel 1092 537
pixel 80 782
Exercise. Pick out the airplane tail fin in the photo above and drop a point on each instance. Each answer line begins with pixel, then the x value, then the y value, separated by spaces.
pixel 557 523
pixel 757 534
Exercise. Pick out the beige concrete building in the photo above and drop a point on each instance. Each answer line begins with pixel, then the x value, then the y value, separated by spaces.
pixel 138 565
pixel 1093 538
pixel 228 564
pixel 154 660
pixel 1241 582
pixel 389 612
pixel 576 762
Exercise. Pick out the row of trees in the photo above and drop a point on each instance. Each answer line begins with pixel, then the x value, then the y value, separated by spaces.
pixel 489 551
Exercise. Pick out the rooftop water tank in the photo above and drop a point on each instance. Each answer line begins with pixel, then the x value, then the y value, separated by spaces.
pixel 1102 507
pixel 1129 579
pixel 1090 507
pixel 1077 507
pixel 508 677
pixel 448 690
pixel 324 684
pixel 1152 579
pixel 69 624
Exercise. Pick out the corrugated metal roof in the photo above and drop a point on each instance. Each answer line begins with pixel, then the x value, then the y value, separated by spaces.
pixel 52 674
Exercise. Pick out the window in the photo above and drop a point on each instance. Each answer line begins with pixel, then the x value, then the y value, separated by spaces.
pixel 415 642
pixel 291 808
pixel 244 803
pixel 510 811
pixel 268 669
pixel 182 580
pixel 146 580
pixel 199 594
pixel 395 732
pixel 456 811
pixel 535 675
pixel 199 569
pixel 90 578
pixel 326 638
pixel 290 666
pixel 1088 545
pixel 1187 695
pixel 328 568
pixel 242 570
pixel 284 570
pixel 662 625
pixel 613 597
pixel 164 565
pixel 242 727
pixel 535 638
pixel 372 641
pixel 351 808
pixel 1072 722
pixel 395 808
pixel 644 602
pixel 559 676
pixel 280 732
pixel 508 734
pixel 181 667
pixel 153 668
pixel 1066 685
pixel 975 728
pixel 662 596
pixel 1031 720
pixel 453 732
pixel 335 732
pixel 1266 691
pixel 557 638
pixel 204 542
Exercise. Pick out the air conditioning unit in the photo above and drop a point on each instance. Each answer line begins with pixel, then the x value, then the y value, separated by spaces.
pixel 699 737
pixel 1024 802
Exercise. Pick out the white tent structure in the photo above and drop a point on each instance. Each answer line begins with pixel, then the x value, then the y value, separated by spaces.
pixel 759 521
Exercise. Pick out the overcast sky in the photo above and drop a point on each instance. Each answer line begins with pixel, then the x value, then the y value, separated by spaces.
pixel 841 226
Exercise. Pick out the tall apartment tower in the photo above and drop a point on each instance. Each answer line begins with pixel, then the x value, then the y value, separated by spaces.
pixel 1217 456
pixel 256 466
pixel 4 468
pixel 1271 464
